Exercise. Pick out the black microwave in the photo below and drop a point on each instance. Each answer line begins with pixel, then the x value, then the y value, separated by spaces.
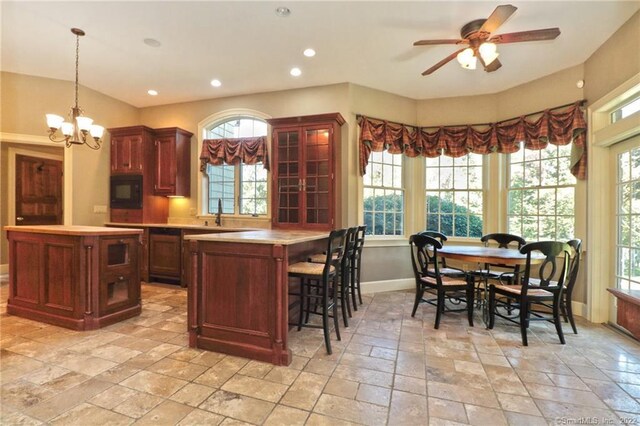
pixel 126 192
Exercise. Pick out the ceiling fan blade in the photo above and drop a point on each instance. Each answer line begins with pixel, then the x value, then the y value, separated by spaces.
pixel 432 42
pixel 493 66
pixel 533 35
pixel 442 62
pixel 498 17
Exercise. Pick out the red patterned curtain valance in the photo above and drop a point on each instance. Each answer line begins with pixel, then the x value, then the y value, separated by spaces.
pixel 552 126
pixel 234 151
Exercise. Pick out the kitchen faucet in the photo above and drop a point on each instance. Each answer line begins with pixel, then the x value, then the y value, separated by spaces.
pixel 219 214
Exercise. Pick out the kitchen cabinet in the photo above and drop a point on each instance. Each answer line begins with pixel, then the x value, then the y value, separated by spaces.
pixel 172 166
pixel 129 146
pixel 165 254
pixel 79 277
pixel 303 172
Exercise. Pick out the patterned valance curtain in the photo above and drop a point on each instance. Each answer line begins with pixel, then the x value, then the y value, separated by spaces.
pixel 234 151
pixel 554 126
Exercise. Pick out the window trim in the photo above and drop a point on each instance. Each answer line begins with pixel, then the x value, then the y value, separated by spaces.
pixel 201 205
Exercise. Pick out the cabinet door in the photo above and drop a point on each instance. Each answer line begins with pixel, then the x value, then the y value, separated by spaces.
pixel 126 154
pixel 119 274
pixel 317 194
pixel 165 166
pixel 164 256
pixel 288 177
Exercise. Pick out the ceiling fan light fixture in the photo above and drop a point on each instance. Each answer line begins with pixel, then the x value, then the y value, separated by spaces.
pixel 467 59
pixel 488 52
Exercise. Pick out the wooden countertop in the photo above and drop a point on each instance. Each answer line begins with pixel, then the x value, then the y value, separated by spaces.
pixel 73 230
pixel 266 236
pixel 181 226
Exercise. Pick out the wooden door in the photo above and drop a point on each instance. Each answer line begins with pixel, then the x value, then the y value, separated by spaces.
pixel 38 191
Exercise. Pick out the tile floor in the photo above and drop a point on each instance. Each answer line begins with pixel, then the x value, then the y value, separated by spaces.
pixel 389 368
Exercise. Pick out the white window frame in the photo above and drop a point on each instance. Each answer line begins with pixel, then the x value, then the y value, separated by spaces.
pixel 203 196
pixel 402 189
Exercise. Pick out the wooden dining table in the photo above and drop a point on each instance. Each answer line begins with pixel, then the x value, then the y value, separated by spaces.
pixel 487 255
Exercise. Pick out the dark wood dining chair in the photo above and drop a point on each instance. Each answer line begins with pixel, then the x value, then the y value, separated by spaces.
pixel 567 292
pixel 319 284
pixel 444 269
pixel 496 271
pixel 426 269
pixel 530 292
pixel 356 265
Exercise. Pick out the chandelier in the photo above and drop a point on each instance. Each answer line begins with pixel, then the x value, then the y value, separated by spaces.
pixel 76 130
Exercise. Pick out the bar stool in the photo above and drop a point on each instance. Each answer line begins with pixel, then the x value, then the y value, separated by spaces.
pixel 319 283
pixel 356 265
pixel 345 272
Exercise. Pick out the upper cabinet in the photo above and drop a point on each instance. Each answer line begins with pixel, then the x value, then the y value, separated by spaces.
pixel 172 166
pixel 304 182
pixel 129 146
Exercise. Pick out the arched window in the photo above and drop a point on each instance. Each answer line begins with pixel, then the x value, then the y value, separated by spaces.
pixel 242 189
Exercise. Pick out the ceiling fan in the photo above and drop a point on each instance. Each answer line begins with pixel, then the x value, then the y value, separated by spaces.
pixel 481 45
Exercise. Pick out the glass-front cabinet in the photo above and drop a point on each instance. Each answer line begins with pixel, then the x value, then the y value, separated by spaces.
pixel 304 182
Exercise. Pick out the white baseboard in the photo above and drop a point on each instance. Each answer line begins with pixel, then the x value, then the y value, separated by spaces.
pixel 388 285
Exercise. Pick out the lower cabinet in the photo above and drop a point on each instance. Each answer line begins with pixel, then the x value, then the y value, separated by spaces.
pixel 165 254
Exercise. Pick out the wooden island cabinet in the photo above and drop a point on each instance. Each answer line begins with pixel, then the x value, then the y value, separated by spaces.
pixel 78 277
pixel 238 290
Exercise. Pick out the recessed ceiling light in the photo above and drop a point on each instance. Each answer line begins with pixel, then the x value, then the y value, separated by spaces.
pixel 296 72
pixel 283 12
pixel 152 92
pixel 309 53
pixel 152 42
pixel 216 83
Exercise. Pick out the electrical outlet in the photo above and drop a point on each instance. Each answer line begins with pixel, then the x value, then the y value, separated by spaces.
pixel 99 209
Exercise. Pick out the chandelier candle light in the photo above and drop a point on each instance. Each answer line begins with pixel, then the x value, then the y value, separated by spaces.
pixel 76 130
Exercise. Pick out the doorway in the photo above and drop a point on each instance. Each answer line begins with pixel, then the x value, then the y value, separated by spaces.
pixel 36 195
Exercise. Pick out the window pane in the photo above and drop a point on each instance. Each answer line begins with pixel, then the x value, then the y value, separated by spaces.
pixel 454 207
pixel 246 183
pixel 383 195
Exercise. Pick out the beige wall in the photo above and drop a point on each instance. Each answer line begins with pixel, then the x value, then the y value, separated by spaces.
pixel 24 102
pixel 616 61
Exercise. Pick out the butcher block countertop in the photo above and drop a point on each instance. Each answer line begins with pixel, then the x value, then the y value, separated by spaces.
pixel 266 236
pixel 181 226
pixel 72 230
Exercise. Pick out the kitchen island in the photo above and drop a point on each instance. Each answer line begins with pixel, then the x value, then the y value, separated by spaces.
pixel 238 290
pixel 78 277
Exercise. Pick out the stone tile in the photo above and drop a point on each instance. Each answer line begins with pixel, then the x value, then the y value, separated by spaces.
pixel 23 395
pixel 305 391
pixel 113 396
pixel 320 366
pixel 463 394
pixel 408 408
pixel 518 419
pixel 282 415
pixel 375 364
pixel 614 396
pixel 566 410
pixel 255 388
pixel 85 414
pixel 138 404
pixel 67 399
pixel 155 384
pixel 238 406
pixel 384 353
pixel 553 393
pixel 45 374
pixel 316 419
pixel 447 410
pixel 353 411
pixel 518 404
pixel 117 374
pixel 283 375
pixel 341 387
pixel 363 375
pixel 374 394
pixel 201 417
pixel 178 369
pixel 410 384
pixel 167 413
pixel 256 369
pixel 220 372
pixel 192 394
pixel 483 416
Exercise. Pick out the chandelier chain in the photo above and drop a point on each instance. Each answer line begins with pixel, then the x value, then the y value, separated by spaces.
pixel 77 61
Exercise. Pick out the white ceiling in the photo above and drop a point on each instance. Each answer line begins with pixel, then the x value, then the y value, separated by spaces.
pixel 250 49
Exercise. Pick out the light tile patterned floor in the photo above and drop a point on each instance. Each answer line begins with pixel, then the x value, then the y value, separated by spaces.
pixel 389 368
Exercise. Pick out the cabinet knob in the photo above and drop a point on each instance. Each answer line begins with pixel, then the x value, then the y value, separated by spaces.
pixel 121 278
pixel 121 241
pixel 19 219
